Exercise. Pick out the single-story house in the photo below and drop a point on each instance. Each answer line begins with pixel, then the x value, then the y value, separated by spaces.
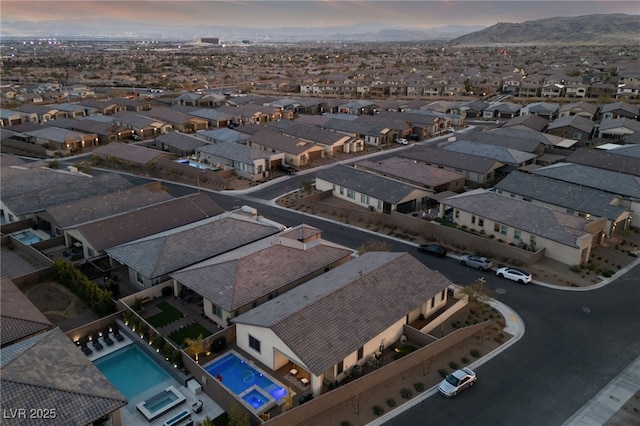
pixel 510 156
pixel 127 153
pixel 362 305
pixel 180 121
pixel 573 126
pixel 236 281
pixel 564 237
pixel 333 142
pixel 297 152
pixel 247 162
pixel 617 128
pixel 372 191
pixel 178 143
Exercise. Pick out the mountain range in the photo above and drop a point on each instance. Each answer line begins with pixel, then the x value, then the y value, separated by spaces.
pixel 589 29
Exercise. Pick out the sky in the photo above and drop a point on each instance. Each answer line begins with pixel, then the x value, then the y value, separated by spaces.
pixel 308 13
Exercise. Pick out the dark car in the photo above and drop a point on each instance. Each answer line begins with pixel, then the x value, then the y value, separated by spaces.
pixel 432 249
pixel 287 169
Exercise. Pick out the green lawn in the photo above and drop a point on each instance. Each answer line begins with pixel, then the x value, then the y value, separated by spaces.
pixel 189 332
pixel 168 314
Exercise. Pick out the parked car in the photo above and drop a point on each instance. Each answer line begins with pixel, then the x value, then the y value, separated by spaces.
pixel 287 169
pixel 433 249
pixel 402 141
pixel 477 262
pixel 514 274
pixel 457 381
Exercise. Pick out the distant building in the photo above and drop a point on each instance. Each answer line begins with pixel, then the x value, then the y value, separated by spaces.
pixel 209 40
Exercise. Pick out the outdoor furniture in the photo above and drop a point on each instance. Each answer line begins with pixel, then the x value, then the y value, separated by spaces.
pixel 97 345
pixel 304 381
pixel 107 340
pixel 293 371
pixel 197 406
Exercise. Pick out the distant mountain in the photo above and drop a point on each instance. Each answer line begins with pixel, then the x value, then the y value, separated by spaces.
pixel 588 29
pixel 109 29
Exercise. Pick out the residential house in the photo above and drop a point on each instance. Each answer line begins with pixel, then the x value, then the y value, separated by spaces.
pixel 89 208
pixel 617 128
pixel 530 89
pixel 252 114
pixel 297 152
pixel 43 112
pixel 372 191
pixel 612 159
pixel 566 197
pixel 601 90
pixel 582 109
pixel 104 132
pixel 240 280
pixel 179 121
pixel 180 144
pixel 346 302
pixel 628 85
pixel 501 110
pixel 470 109
pixel 247 162
pixel 29 191
pixel 103 106
pixel 504 154
pixel 573 127
pixel 619 110
pixel 41 369
pixel 132 154
pixel 357 107
pixel 528 121
pixel 545 110
pixel 333 142
pixel 477 170
pixel 94 237
pixel 624 185
pixel 141 125
pixel 14 118
pixel 215 119
pixel 565 238
pixel 432 178
pixel 224 135
pixel 150 260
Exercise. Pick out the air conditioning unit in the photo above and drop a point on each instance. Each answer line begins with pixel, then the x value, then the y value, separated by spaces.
pixel 403 339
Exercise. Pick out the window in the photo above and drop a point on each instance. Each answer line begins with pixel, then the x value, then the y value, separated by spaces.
pixel 473 220
pixel 341 190
pixel 433 302
pixel 254 343
pixel 217 311
pixel 577 135
pixel 139 278
pixel 480 222
pixel 527 199
pixel 340 367
pixel 360 352
pixel 364 199
pixel 503 230
pixel 457 213
pixel 516 234
pixel 91 252
pixel 351 194
pixel 379 204
pixel 443 294
pixel 496 227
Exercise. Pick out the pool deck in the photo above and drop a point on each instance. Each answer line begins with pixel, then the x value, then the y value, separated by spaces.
pixel 131 416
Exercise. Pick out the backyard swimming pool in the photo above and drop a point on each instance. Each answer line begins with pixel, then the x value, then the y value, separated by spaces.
pixel 197 165
pixel 132 371
pixel 251 385
pixel 27 237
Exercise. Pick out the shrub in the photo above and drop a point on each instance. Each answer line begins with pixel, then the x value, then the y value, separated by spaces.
pixel 464 360
pixel 406 393
pixel 418 386
pixel 575 268
pixel 378 410
pixel 453 365
pixel 474 353
pixel 391 403
pixel 442 372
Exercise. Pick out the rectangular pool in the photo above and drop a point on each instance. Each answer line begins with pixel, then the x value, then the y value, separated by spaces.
pixel 252 386
pixel 159 404
pixel 131 371
pixel 27 237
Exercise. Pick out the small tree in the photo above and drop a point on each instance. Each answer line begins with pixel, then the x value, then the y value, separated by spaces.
pixel 306 186
pixel 478 293
pixel 287 400
pixel 195 346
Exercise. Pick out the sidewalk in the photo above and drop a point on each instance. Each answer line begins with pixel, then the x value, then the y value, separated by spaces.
pixel 602 407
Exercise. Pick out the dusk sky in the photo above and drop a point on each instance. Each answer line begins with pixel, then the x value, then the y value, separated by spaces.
pixel 275 14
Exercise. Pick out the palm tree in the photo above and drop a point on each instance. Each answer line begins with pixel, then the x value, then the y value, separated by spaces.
pixel 287 400
pixel 195 346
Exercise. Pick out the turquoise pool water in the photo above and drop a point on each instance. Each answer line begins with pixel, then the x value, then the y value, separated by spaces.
pixel 27 237
pixel 238 375
pixel 131 371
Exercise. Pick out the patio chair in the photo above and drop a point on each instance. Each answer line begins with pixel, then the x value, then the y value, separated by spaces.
pixel 97 345
pixel 107 340
pixel 117 335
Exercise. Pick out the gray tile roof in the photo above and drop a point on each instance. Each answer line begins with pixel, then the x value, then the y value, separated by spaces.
pixel 307 132
pixel 607 180
pixel 605 159
pixel 352 304
pixel 181 141
pixel 32 201
pixel 573 121
pixel 236 152
pixel 379 187
pixel 562 194
pixel 129 153
pixel 149 220
pixel 178 248
pixel 495 152
pixel 280 142
pixel 54 373
pixel 104 205
pixel 19 317
pixel 22 180
pixel 406 169
pixel 528 217
pixel 167 115
pixel 456 160
pixel 224 135
pixel 240 277
pixel 632 150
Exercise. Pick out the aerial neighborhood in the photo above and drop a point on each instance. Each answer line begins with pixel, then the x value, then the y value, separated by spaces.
pixel 114 181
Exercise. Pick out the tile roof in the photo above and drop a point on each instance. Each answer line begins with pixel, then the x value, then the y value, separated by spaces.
pixel 605 159
pixel 280 142
pixel 562 194
pixel 52 373
pixel 19 317
pixel 607 180
pixel 239 277
pixel 224 135
pixel 148 220
pixel 409 170
pixel 528 217
pixel 576 121
pixel 236 152
pixel 456 160
pixel 129 153
pixel 308 132
pixel 178 248
pixel 57 192
pixel 353 303
pixel 496 152
pixel 181 141
pixel 101 206
pixel 379 187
